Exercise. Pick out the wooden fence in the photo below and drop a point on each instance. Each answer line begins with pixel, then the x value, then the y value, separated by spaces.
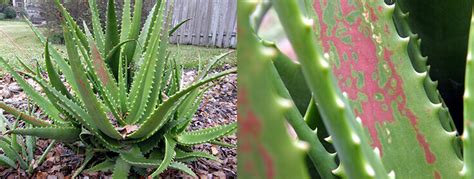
pixel 213 23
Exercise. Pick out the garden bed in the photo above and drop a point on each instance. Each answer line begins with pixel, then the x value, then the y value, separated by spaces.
pixel 218 107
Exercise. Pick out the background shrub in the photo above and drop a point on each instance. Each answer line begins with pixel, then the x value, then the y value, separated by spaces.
pixel 2 16
pixel 10 13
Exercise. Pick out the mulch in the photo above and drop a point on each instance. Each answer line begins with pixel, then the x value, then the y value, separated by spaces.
pixel 218 107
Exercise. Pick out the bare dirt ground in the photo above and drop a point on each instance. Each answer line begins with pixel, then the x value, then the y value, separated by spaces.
pixel 218 107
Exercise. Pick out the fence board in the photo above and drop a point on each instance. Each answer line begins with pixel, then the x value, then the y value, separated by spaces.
pixel 213 23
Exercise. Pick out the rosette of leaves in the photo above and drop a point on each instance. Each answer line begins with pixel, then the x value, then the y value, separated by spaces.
pixel 126 96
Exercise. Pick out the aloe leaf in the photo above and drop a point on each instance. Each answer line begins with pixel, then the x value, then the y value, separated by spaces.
pixel 59 133
pixel 468 134
pixel 211 64
pixel 144 94
pixel 177 26
pixel 374 68
pixel 25 67
pixel 112 36
pixel 182 167
pixel 41 101
pixel 292 76
pixel 130 49
pixel 81 37
pixel 442 22
pixel 122 85
pixel 30 142
pixel 189 106
pixel 97 26
pixel 3 122
pixel 349 138
pixel 63 65
pixel 264 143
pixel 321 158
pixel 160 115
pixel 144 36
pixel 184 155
pixel 126 20
pixel 139 161
pixel 82 116
pixel 88 157
pixel 170 153
pixel 205 135
pixel 117 47
pixel 121 169
pixel 45 154
pixel 104 166
pixel 28 119
pixel 12 154
pixel 89 99
pixel 53 76
pixel 5 160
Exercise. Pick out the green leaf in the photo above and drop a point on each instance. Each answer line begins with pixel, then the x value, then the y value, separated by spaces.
pixel 126 20
pixel 53 76
pixel 62 63
pixel 97 26
pixel 161 114
pixel 184 155
pixel 4 159
pixel 41 101
pixel 12 154
pixel 177 26
pixel 23 116
pixel 121 169
pixel 91 103
pixel 147 83
pixel 205 135
pixel 170 144
pixel 66 134
pixel 105 166
pixel 468 134
pixel 182 167
pixel 264 142
pixel 112 37
pixel 130 49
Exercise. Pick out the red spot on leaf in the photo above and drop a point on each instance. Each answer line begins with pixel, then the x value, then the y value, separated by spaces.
pixel 250 129
pixel 363 46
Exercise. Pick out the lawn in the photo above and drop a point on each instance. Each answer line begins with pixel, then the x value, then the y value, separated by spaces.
pixel 17 39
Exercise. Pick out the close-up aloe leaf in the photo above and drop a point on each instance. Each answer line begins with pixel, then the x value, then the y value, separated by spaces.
pixel 118 92
pixel 362 77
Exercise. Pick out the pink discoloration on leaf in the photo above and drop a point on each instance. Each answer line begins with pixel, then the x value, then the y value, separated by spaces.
pixel 99 65
pixel 250 129
pixel 369 62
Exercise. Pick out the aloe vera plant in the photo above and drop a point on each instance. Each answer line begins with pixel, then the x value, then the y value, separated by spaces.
pixel 359 97
pixel 126 96
pixel 18 151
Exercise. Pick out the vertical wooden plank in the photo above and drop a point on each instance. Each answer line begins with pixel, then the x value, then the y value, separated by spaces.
pixel 177 18
pixel 222 23
pixel 207 19
pixel 197 20
pixel 231 20
pixel 215 21
pixel 200 12
pixel 190 8
pixel 184 11
pixel 234 36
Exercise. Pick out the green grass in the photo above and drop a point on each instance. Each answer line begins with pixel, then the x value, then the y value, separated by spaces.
pixel 18 40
